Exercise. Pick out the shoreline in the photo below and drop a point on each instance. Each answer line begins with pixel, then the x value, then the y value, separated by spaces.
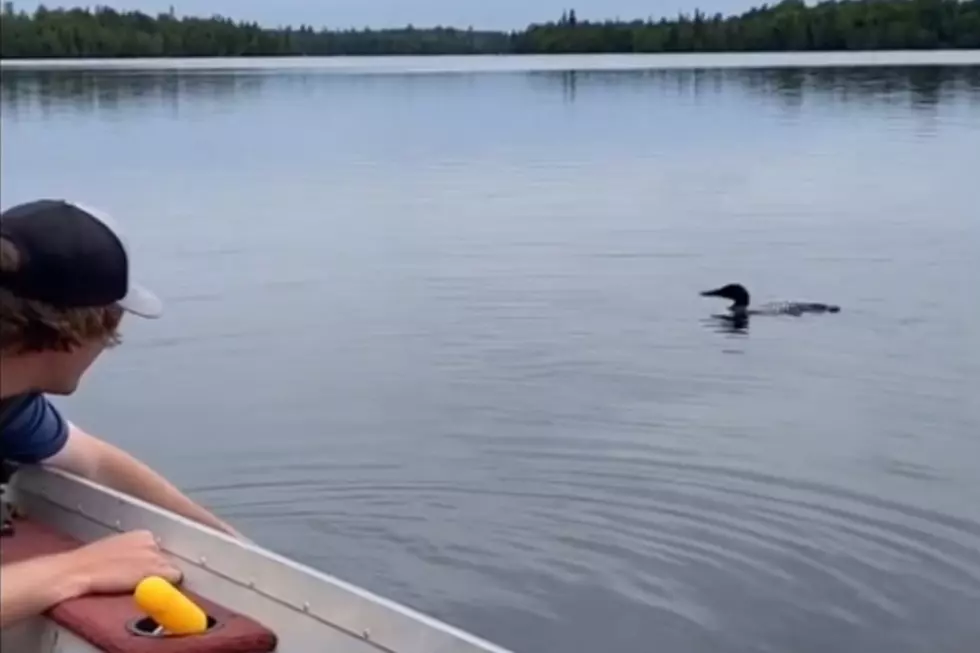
pixel 519 62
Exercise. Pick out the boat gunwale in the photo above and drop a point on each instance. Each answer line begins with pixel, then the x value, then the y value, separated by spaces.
pixel 90 510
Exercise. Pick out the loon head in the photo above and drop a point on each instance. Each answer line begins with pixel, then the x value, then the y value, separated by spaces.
pixel 733 291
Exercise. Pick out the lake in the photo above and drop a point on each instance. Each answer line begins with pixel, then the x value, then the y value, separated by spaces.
pixel 434 327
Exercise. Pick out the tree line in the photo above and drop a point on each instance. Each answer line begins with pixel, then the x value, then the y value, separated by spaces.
pixel 790 25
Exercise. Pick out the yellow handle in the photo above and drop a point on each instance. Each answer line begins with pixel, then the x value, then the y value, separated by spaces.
pixel 173 611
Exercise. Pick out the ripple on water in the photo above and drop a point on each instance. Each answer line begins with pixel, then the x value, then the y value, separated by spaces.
pixel 706 544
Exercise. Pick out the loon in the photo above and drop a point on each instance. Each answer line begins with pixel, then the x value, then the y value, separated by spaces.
pixel 740 304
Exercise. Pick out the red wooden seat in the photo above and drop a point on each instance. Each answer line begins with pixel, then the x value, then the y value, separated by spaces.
pixel 106 621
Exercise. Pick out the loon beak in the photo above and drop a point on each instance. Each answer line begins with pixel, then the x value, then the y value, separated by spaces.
pixel 712 293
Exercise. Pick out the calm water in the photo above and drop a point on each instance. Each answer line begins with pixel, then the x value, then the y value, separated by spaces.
pixel 439 334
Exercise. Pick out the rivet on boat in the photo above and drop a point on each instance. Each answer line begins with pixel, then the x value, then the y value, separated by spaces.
pixel 367 633
pixel 204 561
pixel 306 607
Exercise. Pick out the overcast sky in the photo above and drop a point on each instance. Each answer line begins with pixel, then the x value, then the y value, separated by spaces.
pixel 498 14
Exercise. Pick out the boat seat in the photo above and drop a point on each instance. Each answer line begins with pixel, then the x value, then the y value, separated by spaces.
pixel 107 621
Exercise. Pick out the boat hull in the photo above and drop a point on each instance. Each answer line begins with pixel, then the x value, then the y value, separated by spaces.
pixel 308 610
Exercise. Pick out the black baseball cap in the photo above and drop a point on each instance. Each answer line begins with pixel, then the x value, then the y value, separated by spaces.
pixel 71 256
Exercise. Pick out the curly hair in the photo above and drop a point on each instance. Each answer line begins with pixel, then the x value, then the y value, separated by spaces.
pixel 28 326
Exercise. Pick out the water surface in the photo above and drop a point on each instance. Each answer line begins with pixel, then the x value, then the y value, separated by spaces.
pixel 439 334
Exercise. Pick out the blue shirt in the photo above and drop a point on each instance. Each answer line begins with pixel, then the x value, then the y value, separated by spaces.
pixel 32 431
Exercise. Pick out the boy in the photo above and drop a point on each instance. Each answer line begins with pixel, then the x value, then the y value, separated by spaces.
pixel 64 288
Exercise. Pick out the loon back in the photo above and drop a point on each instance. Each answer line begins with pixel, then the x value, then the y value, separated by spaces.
pixel 740 303
pixel 794 308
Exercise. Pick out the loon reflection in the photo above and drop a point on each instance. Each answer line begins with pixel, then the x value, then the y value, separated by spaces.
pixel 739 312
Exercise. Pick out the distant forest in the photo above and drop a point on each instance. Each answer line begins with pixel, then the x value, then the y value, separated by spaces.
pixel 790 25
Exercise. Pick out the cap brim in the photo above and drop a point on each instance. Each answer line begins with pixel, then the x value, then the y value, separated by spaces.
pixel 142 302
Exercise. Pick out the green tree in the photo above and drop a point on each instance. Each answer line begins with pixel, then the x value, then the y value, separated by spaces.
pixel 789 25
